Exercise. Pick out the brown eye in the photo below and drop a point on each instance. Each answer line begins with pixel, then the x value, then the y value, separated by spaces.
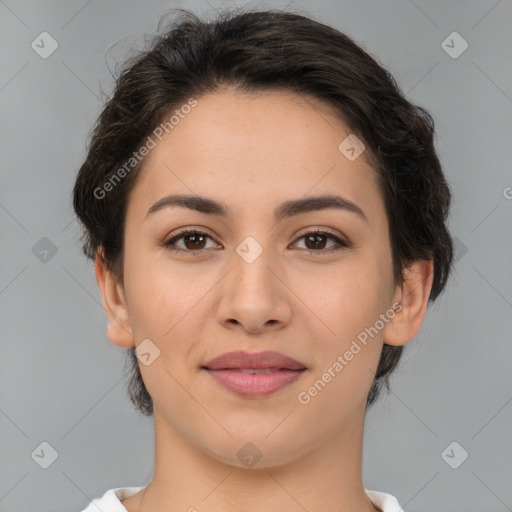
pixel 196 241
pixel 193 241
pixel 316 241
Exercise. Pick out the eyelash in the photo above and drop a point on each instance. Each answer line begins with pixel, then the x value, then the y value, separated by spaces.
pixel 320 252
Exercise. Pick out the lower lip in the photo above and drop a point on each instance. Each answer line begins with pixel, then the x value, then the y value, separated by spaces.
pixel 254 384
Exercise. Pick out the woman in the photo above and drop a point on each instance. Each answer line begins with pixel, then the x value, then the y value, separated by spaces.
pixel 267 216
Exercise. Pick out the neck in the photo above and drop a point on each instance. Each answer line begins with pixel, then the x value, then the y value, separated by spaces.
pixel 327 477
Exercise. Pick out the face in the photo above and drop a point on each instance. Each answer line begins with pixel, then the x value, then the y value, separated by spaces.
pixel 252 281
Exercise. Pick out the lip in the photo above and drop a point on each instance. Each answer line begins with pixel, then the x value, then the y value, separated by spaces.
pixel 253 385
pixel 227 371
pixel 242 360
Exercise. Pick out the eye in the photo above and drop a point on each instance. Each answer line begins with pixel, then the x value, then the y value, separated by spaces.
pixel 193 239
pixel 315 241
pixel 195 242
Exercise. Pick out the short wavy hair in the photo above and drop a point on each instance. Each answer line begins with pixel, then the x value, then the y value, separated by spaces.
pixel 256 51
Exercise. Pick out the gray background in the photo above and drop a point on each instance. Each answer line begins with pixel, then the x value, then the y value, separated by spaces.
pixel 62 380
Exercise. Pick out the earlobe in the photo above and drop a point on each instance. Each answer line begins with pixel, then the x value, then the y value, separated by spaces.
pixel 413 296
pixel 119 330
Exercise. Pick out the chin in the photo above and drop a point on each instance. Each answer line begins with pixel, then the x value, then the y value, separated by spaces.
pixel 255 452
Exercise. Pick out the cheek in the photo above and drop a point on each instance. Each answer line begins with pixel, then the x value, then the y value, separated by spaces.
pixel 349 295
pixel 349 351
pixel 161 293
pixel 164 304
pixel 348 304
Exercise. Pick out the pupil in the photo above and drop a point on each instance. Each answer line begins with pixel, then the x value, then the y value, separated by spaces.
pixel 189 237
pixel 315 237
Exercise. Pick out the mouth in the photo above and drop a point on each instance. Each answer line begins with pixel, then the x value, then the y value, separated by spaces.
pixel 254 383
pixel 254 375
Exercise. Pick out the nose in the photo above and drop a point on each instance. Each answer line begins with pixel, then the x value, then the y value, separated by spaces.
pixel 254 295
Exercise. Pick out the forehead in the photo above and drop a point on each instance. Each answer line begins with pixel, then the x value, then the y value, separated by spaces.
pixel 256 150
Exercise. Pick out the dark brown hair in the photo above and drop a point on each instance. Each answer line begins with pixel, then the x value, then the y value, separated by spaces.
pixel 254 51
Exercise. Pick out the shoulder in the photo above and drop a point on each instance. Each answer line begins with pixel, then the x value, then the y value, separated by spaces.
pixel 111 500
pixel 386 502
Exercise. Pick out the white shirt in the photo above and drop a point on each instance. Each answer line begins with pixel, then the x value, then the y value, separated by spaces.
pixel 111 500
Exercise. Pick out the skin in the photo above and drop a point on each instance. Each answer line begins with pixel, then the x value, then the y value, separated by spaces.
pixel 253 152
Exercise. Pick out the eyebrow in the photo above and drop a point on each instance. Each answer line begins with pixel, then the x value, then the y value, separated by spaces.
pixel 286 209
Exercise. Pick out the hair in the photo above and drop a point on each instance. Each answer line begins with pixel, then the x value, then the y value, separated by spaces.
pixel 258 51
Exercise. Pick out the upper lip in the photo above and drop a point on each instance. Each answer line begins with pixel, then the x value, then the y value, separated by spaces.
pixel 253 360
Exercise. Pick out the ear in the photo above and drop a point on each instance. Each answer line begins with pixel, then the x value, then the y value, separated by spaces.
pixel 413 296
pixel 119 330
